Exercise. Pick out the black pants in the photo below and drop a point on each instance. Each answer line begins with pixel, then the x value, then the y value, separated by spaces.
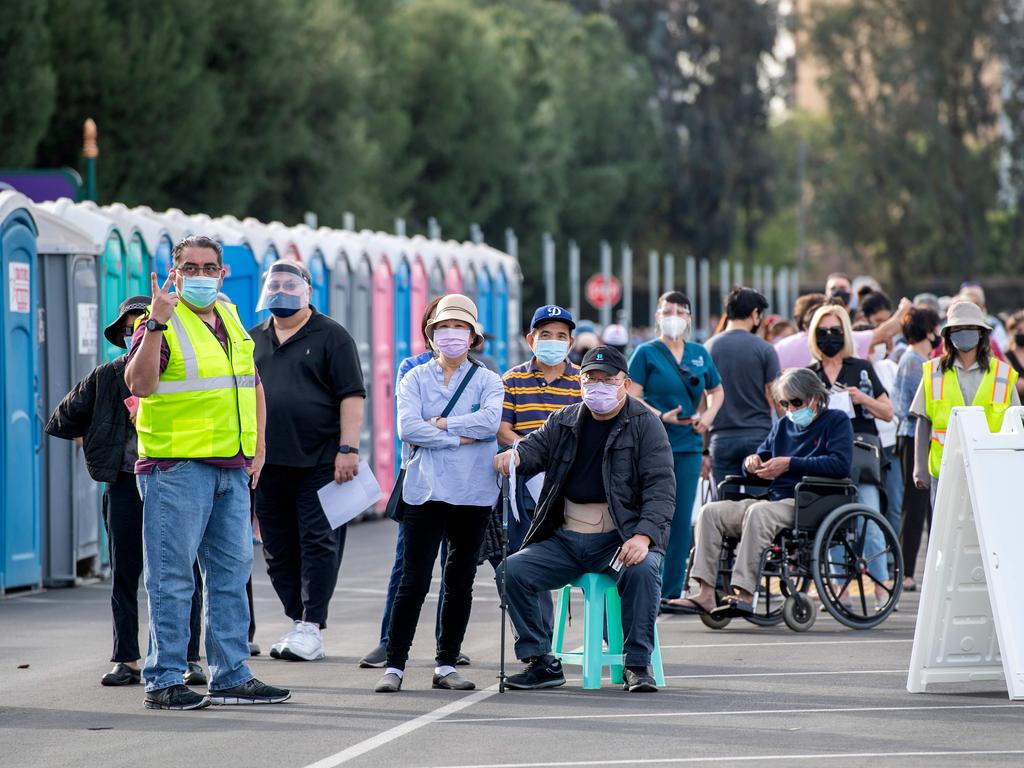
pixel 425 526
pixel 122 516
pixel 303 554
pixel 917 507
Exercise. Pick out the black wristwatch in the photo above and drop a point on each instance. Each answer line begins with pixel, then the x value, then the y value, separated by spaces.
pixel 347 449
pixel 153 325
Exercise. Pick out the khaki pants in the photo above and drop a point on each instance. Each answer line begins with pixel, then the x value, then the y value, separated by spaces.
pixel 755 523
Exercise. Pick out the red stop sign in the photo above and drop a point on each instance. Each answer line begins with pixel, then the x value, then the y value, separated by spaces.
pixel 603 293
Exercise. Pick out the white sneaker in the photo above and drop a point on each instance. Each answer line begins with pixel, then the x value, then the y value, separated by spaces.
pixel 306 643
pixel 276 648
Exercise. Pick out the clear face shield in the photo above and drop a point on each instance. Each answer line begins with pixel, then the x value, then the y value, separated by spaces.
pixel 285 290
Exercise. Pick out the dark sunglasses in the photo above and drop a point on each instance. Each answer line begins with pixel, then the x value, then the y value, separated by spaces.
pixel 835 330
pixel 796 402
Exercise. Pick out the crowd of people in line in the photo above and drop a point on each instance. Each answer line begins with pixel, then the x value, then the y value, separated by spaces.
pixel 204 432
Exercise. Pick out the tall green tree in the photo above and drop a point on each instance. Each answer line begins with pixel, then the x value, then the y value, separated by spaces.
pixel 28 82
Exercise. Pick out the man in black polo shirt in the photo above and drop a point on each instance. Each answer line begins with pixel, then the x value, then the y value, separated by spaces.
pixel 314 389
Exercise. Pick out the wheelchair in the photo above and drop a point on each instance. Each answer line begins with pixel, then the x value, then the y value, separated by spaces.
pixel 826 548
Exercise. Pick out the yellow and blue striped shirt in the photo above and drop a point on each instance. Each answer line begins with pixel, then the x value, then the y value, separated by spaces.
pixel 530 399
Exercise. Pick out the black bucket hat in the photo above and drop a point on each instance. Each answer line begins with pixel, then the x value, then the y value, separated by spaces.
pixel 132 304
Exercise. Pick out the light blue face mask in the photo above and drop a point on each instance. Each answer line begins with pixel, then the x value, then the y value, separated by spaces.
pixel 551 351
pixel 802 417
pixel 199 291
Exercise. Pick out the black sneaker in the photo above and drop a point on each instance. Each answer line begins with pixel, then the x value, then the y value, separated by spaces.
pixel 250 692
pixel 541 672
pixel 374 659
pixel 195 674
pixel 638 680
pixel 175 697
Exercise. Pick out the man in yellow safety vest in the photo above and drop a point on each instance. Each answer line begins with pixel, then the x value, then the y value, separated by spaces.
pixel 967 373
pixel 200 423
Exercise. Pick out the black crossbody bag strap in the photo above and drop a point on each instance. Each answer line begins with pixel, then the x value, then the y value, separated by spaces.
pixel 675 366
pixel 394 507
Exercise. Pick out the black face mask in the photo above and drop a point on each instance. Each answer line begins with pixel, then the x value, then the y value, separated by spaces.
pixel 935 341
pixel 1018 339
pixel 843 296
pixel 829 344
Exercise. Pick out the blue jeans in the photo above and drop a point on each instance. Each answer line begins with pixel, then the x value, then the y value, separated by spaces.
pixel 554 562
pixel 195 509
pixel 874 542
pixel 396 579
pixel 673 571
pixel 729 449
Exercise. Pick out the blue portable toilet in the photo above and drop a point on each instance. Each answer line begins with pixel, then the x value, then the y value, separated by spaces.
pixel 242 282
pixel 484 306
pixel 21 426
pixel 402 325
pixel 321 284
pixel 500 318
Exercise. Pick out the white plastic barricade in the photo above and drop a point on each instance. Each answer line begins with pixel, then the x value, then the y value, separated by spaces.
pixel 970 625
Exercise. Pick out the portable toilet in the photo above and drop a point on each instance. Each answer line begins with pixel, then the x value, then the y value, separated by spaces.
pixel 136 273
pixel 20 429
pixel 485 300
pixel 499 287
pixel 69 350
pixel 156 242
pixel 113 267
pixel 383 364
pixel 339 268
pixel 419 295
pixel 312 249
pixel 464 257
pixel 400 312
pixel 175 231
pixel 242 271
pixel 449 253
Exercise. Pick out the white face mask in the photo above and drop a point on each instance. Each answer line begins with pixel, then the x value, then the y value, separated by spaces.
pixel 878 353
pixel 675 326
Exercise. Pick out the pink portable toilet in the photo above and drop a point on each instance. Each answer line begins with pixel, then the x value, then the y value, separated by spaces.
pixel 453 277
pixel 419 293
pixel 383 371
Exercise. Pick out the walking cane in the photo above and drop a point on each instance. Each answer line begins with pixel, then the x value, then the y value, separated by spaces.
pixel 504 560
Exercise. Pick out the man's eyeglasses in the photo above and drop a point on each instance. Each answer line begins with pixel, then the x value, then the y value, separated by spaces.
pixel 191 270
pixel 290 285
pixel 796 402
pixel 586 378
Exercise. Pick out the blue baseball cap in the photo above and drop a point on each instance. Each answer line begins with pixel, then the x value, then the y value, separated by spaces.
pixel 550 313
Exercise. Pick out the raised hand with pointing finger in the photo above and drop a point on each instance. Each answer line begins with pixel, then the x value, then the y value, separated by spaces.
pixel 164 301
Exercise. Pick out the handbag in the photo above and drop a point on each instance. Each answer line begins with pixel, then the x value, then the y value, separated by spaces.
pixel 394 505
pixel 867 460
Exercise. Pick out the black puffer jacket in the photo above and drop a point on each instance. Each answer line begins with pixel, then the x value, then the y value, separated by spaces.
pixel 639 477
pixel 95 410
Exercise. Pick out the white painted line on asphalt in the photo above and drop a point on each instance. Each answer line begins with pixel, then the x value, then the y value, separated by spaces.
pixel 825 673
pixel 386 737
pixel 789 643
pixel 745 758
pixel 732 713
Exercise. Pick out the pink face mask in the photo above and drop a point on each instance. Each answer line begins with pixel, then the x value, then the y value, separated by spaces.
pixel 601 398
pixel 452 342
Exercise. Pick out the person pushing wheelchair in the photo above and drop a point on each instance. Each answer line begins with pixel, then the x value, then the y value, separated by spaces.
pixel 811 440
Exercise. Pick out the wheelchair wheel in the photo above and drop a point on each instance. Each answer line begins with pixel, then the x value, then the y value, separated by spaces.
pixel 773 591
pixel 798 612
pixel 714 622
pixel 853 541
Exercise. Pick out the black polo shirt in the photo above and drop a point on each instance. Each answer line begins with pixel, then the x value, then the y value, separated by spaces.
pixel 304 380
pixel 850 375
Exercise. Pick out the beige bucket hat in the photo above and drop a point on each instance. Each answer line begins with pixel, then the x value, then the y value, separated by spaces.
pixel 964 313
pixel 455 306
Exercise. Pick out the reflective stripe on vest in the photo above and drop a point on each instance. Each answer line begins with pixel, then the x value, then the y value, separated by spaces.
pixel 1001 385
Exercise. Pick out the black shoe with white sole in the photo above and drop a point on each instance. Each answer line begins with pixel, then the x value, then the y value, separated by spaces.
pixel 175 697
pixel 638 680
pixel 541 672
pixel 250 692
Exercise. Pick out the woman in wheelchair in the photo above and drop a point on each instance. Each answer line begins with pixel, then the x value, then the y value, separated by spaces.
pixel 811 440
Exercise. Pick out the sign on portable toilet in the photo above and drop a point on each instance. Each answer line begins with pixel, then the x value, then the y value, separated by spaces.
pixel 970 625
pixel 20 408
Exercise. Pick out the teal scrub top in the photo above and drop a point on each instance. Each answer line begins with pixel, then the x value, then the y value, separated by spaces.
pixel 664 389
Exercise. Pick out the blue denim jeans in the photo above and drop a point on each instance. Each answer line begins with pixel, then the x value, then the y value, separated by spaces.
pixel 874 542
pixel 195 509
pixel 729 449
pixel 677 553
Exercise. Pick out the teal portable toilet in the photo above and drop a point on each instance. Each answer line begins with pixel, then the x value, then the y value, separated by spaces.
pixel 69 350
pixel 21 426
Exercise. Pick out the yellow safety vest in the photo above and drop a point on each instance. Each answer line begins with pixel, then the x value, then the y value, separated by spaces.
pixel 942 394
pixel 205 403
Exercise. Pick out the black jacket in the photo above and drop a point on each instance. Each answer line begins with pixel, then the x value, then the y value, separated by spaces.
pixel 639 476
pixel 95 410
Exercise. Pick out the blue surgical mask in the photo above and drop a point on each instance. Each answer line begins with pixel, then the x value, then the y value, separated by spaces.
pixel 199 291
pixel 802 417
pixel 551 351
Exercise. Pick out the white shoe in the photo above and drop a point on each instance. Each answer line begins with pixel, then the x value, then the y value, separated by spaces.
pixel 276 648
pixel 306 643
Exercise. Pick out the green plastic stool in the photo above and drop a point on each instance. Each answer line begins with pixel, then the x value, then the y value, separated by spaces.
pixel 600 595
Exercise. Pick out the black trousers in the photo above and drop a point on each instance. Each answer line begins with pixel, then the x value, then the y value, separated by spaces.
pixel 917 507
pixel 122 516
pixel 425 526
pixel 303 554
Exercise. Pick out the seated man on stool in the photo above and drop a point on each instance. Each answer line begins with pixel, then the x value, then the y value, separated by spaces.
pixel 810 441
pixel 608 496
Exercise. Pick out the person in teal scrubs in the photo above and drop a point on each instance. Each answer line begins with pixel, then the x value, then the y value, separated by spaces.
pixel 670 375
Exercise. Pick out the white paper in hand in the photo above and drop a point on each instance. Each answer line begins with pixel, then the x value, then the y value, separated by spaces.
pixel 513 507
pixel 840 401
pixel 343 502
pixel 534 486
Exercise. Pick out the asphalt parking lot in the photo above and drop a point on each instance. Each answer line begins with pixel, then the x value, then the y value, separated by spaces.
pixel 740 696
